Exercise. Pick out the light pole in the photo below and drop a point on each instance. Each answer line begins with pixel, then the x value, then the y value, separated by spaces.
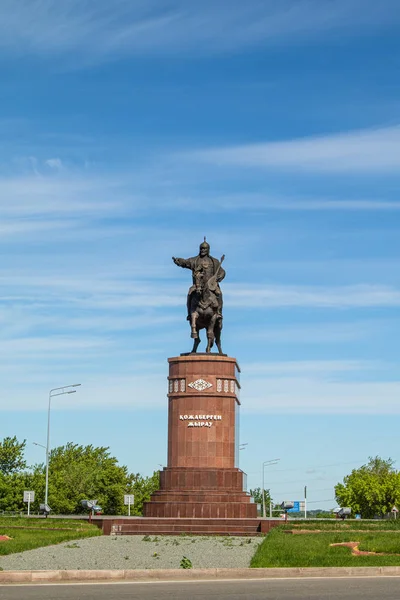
pixel 64 390
pixel 41 445
pixel 265 463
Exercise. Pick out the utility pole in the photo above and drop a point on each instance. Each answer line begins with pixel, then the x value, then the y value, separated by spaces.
pixel 265 463
pixel 305 502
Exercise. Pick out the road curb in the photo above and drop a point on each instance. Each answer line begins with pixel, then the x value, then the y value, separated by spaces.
pixel 146 575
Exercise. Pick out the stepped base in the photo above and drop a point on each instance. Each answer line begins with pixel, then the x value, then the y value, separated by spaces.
pixel 146 526
pixel 150 526
pixel 196 493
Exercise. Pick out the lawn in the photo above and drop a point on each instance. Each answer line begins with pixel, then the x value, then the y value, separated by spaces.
pixel 346 525
pixel 280 549
pixel 27 534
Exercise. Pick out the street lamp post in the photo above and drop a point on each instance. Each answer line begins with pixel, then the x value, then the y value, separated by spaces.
pixel 265 463
pixel 41 445
pixel 65 389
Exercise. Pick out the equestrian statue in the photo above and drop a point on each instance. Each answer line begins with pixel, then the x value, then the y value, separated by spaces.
pixel 204 299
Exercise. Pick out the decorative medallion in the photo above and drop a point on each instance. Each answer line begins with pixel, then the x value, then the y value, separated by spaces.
pixel 219 385
pixel 183 385
pixel 171 385
pixel 232 386
pixel 176 385
pixel 200 385
pixel 226 385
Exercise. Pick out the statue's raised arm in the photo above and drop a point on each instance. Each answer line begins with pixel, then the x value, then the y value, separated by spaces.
pixel 204 299
pixel 183 262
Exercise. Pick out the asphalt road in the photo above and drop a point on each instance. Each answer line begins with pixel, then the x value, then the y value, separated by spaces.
pixel 379 588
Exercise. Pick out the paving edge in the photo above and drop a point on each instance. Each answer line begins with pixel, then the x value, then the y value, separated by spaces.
pixel 145 575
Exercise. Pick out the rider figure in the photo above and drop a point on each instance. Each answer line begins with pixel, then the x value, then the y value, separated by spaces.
pixel 209 267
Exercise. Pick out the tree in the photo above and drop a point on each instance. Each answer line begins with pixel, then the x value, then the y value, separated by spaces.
pixel 79 473
pixel 76 473
pixel 257 495
pixel 143 488
pixel 12 455
pixel 371 490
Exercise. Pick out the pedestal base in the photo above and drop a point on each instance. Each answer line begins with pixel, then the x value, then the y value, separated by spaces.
pixel 201 480
pixel 201 493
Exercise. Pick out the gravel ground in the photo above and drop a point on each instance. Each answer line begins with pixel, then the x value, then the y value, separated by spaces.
pixel 134 552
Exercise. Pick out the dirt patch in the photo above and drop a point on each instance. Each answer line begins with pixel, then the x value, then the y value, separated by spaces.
pixel 355 550
pixel 4 538
pixel 304 531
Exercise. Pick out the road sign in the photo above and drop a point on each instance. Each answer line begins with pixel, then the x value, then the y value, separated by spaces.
pixel 29 497
pixel 129 501
pixel 395 509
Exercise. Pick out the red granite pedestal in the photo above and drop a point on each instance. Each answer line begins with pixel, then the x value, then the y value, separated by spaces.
pixel 202 479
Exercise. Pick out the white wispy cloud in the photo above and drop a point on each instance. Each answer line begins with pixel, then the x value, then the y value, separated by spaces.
pixel 325 297
pixel 45 195
pixel 320 386
pixel 319 333
pixel 54 163
pixel 313 395
pixel 262 202
pixel 129 290
pixel 308 367
pixel 40 348
pixel 98 29
pixel 365 151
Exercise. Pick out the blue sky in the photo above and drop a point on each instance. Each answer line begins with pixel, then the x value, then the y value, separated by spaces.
pixel 129 130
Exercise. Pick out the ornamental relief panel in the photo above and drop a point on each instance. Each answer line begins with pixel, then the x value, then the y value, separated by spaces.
pixel 176 385
pixel 200 385
pixel 227 385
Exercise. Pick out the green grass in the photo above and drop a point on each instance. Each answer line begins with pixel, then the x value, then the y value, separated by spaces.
pixel 28 534
pixel 280 549
pixel 346 525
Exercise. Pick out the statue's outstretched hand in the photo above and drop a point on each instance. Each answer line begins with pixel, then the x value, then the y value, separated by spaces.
pixel 177 261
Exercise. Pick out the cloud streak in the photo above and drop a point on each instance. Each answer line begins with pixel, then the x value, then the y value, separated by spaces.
pixel 361 296
pixel 364 151
pixel 114 288
pixel 98 30
pixel 320 387
pixel 311 395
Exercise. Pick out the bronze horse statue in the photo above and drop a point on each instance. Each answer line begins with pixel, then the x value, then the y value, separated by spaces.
pixel 204 310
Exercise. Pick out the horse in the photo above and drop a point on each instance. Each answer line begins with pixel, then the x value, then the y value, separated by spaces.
pixel 205 312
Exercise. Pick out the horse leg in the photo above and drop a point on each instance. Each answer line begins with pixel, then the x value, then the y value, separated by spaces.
pixel 196 345
pixel 194 332
pixel 217 332
pixel 210 333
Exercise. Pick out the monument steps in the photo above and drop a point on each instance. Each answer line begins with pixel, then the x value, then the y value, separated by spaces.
pixel 180 526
